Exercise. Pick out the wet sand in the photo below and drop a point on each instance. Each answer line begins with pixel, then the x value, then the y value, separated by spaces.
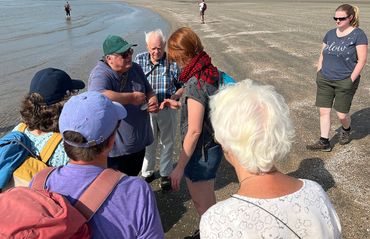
pixel 278 43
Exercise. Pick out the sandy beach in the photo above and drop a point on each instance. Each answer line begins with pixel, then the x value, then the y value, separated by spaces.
pixel 273 42
pixel 278 43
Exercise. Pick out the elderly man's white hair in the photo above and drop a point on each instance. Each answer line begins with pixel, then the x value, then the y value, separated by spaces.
pixel 253 122
pixel 157 32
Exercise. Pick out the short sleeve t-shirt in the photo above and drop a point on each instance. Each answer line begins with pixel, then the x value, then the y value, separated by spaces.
pixel 162 77
pixel 130 211
pixel 308 212
pixel 340 55
pixel 135 132
pixel 201 6
pixel 199 92
pixel 58 158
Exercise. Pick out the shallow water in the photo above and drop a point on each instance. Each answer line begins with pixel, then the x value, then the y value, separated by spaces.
pixel 35 35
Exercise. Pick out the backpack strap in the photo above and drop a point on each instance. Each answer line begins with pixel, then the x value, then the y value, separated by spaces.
pixel 39 180
pixel 98 191
pixel 22 127
pixel 221 78
pixel 151 70
pixel 95 194
pixel 50 147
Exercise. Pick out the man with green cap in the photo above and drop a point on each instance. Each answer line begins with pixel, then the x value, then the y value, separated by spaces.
pixel 123 81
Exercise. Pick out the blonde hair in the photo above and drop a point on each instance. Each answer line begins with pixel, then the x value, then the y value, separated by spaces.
pixel 253 122
pixel 353 11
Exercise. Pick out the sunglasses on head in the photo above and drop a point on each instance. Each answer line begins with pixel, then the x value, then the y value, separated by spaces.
pixel 127 53
pixel 340 18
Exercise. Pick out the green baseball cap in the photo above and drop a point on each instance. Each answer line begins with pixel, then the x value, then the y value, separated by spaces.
pixel 115 44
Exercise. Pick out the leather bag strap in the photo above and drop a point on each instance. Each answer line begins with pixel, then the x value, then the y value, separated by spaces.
pixel 39 180
pixel 95 195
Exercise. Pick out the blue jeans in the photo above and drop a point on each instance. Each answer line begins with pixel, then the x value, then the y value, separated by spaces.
pixel 204 163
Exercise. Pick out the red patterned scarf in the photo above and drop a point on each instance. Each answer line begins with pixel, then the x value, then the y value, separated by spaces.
pixel 200 67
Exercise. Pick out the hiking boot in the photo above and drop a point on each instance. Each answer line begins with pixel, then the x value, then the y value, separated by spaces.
pixel 344 136
pixel 150 178
pixel 165 184
pixel 319 146
pixel 196 235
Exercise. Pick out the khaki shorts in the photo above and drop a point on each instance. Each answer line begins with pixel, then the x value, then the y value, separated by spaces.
pixel 339 92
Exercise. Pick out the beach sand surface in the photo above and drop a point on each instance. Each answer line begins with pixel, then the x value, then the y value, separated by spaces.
pixel 278 43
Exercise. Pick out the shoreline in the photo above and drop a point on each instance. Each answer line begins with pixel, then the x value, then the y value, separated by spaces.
pixel 48 40
pixel 279 44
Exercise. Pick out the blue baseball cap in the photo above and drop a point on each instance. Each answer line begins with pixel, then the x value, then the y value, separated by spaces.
pixel 91 114
pixel 53 84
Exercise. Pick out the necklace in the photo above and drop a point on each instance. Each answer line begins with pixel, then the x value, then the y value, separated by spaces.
pixel 255 175
pixel 240 183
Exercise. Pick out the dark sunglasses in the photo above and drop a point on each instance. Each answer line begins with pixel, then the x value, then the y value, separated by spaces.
pixel 127 53
pixel 340 18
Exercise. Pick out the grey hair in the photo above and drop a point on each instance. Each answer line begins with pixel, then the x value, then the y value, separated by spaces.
pixel 252 121
pixel 157 32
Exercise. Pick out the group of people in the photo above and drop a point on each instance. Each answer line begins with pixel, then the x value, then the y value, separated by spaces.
pixel 130 108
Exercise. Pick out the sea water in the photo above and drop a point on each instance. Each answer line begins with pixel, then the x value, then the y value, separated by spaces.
pixel 35 34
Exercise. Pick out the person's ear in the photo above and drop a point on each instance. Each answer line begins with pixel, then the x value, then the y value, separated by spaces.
pixel 229 156
pixel 111 141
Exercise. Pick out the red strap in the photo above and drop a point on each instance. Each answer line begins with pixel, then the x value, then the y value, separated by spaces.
pixel 95 195
pixel 39 180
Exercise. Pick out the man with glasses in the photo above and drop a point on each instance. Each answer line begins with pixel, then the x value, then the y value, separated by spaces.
pixel 123 81
pixel 162 76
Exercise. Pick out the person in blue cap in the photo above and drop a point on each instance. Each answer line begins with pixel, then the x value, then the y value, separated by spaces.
pixel 38 129
pixel 123 81
pixel 88 124
pixel 50 88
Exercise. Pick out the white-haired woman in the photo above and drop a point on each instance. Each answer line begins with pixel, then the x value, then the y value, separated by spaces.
pixel 268 203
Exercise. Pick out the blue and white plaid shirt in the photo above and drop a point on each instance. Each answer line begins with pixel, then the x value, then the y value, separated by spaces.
pixel 163 78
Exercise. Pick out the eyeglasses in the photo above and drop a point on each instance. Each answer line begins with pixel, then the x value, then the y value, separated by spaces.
pixel 72 92
pixel 340 18
pixel 127 53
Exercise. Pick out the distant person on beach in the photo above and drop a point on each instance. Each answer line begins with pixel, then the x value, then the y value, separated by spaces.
pixel 67 9
pixel 88 123
pixel 162 76
pixel 50 88
pixel 200 155
pixel 268 203
pixel 202 9
pixel 124 81
pixel 343 56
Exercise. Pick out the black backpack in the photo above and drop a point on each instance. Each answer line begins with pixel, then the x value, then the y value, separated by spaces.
pixel 204 7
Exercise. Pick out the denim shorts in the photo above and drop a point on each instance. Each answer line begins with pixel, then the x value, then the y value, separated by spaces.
pixel 335 93
pixel 204 163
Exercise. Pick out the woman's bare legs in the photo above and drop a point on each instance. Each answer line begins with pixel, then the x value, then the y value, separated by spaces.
pixel 203 194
